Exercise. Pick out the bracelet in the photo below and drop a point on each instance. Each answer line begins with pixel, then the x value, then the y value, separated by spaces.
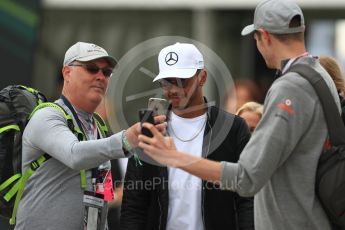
pixel 125 142
pixel 137 160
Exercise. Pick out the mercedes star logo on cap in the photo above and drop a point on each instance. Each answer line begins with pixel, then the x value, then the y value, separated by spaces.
pixel 171 58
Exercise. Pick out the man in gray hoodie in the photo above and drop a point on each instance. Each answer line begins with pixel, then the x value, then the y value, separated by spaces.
pixel 279 163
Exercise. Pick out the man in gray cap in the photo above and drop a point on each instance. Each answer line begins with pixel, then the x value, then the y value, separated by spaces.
pixel 70 189
pixel 279 163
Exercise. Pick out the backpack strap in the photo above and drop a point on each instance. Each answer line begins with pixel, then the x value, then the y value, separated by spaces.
pixel 75 129
pixel 39 96
pixel 18 188
pixel 333 119
pixel 9 127
pixel 101 125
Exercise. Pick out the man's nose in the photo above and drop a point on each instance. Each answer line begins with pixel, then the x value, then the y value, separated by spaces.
pixel 100 75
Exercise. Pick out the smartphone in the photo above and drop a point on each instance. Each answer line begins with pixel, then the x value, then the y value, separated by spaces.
pixel 158 105
pixel 146 115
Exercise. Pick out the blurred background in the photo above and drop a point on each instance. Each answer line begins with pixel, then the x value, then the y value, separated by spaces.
pixel 35 34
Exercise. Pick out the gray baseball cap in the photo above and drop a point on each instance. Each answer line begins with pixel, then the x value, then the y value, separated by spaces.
pixel 274 16
pixel 82 51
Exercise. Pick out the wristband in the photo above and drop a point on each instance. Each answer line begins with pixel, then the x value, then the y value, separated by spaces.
pixel 125 142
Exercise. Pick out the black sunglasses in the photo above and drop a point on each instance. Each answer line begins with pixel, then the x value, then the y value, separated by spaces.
pixel 169 82
pixel 94 69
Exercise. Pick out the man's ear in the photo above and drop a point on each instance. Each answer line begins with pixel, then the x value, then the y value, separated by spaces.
pixel 264 35
pixel 202 77
pixel 267 37
pixel 66 73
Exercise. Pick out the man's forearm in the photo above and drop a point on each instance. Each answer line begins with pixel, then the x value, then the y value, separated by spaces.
pixel 205 169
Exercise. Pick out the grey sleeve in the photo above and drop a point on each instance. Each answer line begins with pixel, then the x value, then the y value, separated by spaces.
pixel 48 132
pixel 288 112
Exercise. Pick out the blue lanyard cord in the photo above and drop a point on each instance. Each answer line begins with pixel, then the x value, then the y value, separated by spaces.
pixel 69 105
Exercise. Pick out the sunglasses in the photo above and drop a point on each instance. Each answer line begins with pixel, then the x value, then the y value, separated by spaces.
pixel 94 69
pixel 169 82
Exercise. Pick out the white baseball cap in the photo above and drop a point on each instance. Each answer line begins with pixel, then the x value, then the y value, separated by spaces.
pixel 274 16
pixel 82 51
pixel 180 60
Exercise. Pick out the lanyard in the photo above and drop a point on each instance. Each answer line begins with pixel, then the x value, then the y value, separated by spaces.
pixel 69 105
pixel 95 171
pixel 77 119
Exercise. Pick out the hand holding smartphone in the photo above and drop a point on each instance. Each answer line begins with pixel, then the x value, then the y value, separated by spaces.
pixel 156 106
pixel 146 115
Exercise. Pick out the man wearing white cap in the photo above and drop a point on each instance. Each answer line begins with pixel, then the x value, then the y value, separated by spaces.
pixel 279 163
pixel 178 200
pixel 70 189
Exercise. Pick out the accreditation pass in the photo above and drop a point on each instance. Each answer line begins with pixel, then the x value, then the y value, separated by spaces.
pixel 94 211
